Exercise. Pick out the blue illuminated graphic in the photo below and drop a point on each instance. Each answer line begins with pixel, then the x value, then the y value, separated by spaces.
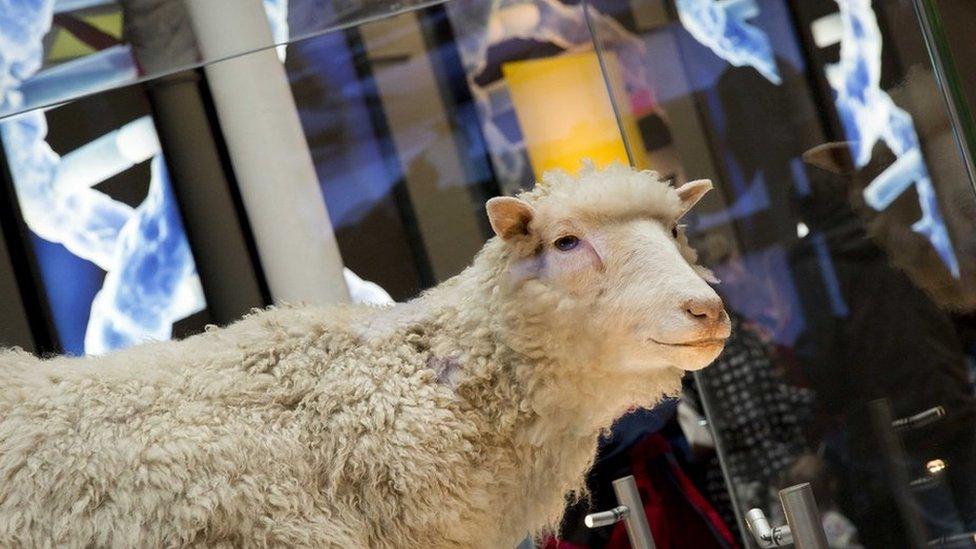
pixel 751 202
pixel 869 115
pixel 151 280
pixel 722 27
pixel 26 22
pixel 23 24
pixel 760 286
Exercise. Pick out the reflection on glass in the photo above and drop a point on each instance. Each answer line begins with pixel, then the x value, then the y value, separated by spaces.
pixel 869 115
pixel 405 180
pixel 60 49
pixel 841 235
pixel 723 28
pixel 935 466
pixel 564 111
pixel 77 47
pixel 490 33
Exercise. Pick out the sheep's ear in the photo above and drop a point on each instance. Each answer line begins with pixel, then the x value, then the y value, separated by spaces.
pixel 834 157
pixel 691 192
pixel 509 216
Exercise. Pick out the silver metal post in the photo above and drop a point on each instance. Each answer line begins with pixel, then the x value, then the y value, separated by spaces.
pixel 804 529
pixel 959 540
pixel 803 517
pixel 638 530
pixel 267 148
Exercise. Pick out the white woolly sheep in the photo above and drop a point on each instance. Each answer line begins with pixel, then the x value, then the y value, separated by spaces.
pixel 460 419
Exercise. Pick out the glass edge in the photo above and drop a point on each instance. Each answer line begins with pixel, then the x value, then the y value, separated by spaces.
pixel 945 71
pixel 46 105
pixel 608 82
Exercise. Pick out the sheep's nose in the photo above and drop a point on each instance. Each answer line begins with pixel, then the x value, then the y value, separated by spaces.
pixel 705 310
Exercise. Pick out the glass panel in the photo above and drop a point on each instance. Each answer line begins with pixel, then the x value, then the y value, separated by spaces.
pixel 951 52
pixel 404 181
pixel 58 50
pixel 842 230
pixel 841 224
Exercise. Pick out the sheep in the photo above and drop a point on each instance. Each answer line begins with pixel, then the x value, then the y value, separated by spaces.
pixel 462 418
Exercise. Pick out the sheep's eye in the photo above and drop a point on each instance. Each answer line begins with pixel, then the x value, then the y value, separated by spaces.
pixel 566 243
pixel 674 231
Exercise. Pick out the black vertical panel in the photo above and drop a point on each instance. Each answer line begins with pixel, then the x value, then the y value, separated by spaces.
pixel 461 109
pixel 803 14
pixel 400 193
pixel 228 267
pixel 15 330
pixel 24 321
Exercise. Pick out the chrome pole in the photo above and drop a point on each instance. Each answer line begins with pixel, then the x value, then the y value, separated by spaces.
pixel 803 516
pixel 804 529
pixel 635 520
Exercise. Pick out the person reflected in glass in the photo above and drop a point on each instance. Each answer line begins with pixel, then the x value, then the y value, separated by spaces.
pixel 872 333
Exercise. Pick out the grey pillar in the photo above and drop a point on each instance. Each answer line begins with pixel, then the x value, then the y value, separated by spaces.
pixel 269 153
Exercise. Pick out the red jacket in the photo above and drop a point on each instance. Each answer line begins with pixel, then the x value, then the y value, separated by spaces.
pixel 678 514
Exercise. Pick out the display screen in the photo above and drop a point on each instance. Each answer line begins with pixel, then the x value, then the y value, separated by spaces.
pixel 104 227
pixel 91 181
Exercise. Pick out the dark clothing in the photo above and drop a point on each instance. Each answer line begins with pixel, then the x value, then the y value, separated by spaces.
pixel 893 342
pixel 756 415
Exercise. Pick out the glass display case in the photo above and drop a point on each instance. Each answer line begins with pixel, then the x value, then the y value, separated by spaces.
pixel 160 177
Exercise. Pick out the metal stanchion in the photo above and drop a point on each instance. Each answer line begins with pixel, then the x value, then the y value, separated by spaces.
pixel 764 534
pixel 886 429
pixel 803 517
pixel 804 529
pixel 958 541
pixel 630 510
pixel 918 420
pixel 638 530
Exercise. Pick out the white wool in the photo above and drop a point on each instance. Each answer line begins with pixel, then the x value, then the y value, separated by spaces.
pixel 461 419
pixel 616 191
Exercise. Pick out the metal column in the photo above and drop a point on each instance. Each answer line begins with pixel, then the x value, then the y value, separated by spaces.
pixel 630 510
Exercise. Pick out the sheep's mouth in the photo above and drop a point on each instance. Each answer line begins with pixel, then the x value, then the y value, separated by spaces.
pixel 709 342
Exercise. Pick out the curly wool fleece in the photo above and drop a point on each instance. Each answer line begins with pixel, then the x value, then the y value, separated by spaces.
pixel 460 419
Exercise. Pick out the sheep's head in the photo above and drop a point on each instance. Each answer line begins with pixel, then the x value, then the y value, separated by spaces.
pixel 605 250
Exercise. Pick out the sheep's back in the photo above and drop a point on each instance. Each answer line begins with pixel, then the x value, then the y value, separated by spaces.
pixel 281 419
pixel 159 444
